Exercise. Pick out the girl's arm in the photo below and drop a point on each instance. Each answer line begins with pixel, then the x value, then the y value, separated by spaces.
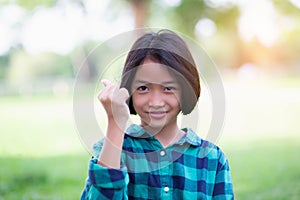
pixel 110 155
pixel 103 182
pixel 113 100
pixel 107 179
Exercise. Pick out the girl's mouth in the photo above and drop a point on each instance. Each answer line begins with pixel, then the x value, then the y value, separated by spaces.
pixel 157 114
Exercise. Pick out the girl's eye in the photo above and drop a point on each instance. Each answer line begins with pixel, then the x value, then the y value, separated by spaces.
pixel 142 88
pixel 170 89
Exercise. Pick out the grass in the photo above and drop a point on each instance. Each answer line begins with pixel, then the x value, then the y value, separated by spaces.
pixel 41 156
pixel 51 177
pixel 267 169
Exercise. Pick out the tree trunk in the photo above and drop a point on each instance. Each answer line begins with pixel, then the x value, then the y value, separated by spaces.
pixel 140 10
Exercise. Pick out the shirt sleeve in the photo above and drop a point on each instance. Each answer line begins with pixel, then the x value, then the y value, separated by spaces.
pixel 105 183
pixel 223 183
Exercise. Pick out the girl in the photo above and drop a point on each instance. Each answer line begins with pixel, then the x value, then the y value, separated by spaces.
pixel 155 159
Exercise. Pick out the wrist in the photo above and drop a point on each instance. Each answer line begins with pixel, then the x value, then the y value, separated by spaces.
pixel 117 123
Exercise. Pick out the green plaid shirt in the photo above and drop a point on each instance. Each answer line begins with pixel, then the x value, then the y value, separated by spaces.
pixel 191 168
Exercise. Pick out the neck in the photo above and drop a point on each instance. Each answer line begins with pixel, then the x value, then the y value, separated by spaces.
pixel 166 135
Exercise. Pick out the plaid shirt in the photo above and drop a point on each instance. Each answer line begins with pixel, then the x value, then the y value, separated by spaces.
pixel 191 168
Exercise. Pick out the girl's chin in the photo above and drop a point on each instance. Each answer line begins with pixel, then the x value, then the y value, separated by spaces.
pixel 154 124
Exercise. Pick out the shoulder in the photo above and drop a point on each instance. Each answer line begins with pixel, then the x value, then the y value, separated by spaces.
pixel 205 148
pixel 215 154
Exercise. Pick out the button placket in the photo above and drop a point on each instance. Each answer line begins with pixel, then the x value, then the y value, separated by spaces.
pixel 164 163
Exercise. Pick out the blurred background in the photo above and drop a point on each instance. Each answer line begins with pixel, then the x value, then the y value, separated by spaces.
pixel 255 45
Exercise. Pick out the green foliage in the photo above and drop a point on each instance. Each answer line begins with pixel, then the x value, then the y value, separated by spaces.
pixel 30 4
pixel 189 12
pixel 25 67
pixel 286 8
pixel 187 15
pixel 4 62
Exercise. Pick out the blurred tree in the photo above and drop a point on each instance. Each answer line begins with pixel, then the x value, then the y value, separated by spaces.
pixel 83 60
pixel 30 4
pixel 188 13
pixel 140 9
pixel 291 14
pixel 184 16
pixel 226 45
pixel 26 68
pixel 287 8
pixel 4 63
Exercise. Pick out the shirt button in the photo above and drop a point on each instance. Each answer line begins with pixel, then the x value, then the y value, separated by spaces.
pixel 166 189
pixel 162 153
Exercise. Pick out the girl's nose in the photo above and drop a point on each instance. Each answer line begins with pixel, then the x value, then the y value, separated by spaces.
pixel 156 99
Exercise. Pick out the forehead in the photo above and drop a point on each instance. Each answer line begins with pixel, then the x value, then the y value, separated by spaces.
pixel 153 72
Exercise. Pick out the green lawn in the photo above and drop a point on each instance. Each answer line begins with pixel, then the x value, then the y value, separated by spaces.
pixel 267 169
pixel 50 177
pixel 41 156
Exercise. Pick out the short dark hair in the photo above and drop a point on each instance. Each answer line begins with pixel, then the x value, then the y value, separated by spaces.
pixel 167 48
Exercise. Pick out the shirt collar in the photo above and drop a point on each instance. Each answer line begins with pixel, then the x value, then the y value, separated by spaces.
pixel 138 131
pixel 190 137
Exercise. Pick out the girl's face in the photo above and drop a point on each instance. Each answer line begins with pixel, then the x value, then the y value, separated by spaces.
pixel 156 95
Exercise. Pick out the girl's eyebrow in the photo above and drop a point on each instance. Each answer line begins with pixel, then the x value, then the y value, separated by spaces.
pixel 148 82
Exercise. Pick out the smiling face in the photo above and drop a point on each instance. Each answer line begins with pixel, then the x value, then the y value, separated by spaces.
pixel 156 95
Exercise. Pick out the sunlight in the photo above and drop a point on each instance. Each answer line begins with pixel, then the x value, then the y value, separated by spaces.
pixel 60 28
pixel 56 29
pixel 5 38
pixel 258 19
pixel 9 15
pixel 172 3
pixel 205 27
pixel 296 3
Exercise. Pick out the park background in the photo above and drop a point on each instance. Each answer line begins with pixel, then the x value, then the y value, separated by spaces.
pixel 254 44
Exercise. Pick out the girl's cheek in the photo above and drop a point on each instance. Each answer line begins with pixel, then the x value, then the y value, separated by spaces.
pixel 177 96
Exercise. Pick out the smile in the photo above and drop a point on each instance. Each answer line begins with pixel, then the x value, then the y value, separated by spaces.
pixel 157 114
